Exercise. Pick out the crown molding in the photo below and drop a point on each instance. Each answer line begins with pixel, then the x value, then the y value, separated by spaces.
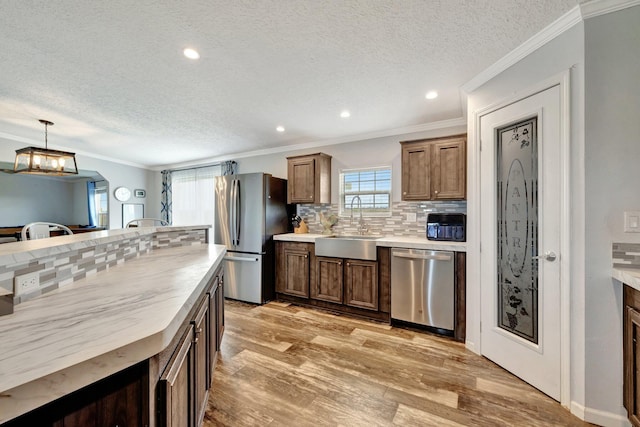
pixel 601 7
pixel 547 34
pixel 443 124
pixel 35 143
pixel 577 14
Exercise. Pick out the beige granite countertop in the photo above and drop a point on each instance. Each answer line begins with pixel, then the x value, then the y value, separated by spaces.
pixel 628 276
pixel 99 325
pixel 386 241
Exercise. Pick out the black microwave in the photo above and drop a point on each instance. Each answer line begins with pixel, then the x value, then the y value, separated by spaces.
pixel 446 227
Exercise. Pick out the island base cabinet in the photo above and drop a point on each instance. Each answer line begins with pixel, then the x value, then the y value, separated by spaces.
pixel 119 400
pixel 176 387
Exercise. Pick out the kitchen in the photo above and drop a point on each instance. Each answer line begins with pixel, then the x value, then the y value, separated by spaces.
pixel 599 183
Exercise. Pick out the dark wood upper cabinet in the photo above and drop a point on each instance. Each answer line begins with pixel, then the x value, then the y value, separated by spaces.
pixel 434 169
pixel 328 283
pixel 309 179
pixel 361 284
pixel 416 167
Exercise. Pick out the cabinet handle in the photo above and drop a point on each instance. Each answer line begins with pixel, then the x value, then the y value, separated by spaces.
pixel 306 256
pixel 436 191
pixel 348 264
pixel 311 197
pixel 199 331
pixel 404 193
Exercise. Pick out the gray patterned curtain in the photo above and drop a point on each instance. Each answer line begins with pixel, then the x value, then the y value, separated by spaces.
pixel 229 167
pixel 165 204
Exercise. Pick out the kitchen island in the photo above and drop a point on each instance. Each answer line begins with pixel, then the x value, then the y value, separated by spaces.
pixel 109 320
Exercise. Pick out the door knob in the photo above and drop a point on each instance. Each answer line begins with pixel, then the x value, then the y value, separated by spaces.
pixel 548 256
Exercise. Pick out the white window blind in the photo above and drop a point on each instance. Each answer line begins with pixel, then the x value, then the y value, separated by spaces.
pixel 193 196
pixel 372 185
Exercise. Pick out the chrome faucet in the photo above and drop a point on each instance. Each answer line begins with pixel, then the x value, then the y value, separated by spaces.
pixel 362 229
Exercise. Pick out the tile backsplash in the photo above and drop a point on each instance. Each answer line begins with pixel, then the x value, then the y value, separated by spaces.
pixel 626 255
pixel 62 268
pixel 394 225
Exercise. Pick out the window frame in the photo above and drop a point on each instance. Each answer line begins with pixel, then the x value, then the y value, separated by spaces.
pixel 345 211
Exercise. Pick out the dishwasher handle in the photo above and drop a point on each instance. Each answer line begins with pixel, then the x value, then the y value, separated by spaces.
pixel 437 257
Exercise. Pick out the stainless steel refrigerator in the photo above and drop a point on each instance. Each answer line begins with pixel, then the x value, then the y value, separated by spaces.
pixel 250 209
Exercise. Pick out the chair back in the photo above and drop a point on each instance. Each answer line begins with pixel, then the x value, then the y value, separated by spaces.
pixel 41 230
pixel 146 222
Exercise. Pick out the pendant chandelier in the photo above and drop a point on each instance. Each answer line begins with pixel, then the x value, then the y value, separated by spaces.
pixel 43 161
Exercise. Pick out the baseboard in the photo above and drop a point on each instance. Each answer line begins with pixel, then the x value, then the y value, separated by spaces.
pixel 469 345
pixel 601 418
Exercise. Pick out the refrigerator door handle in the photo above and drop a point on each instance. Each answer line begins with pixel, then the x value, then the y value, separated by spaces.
pixel 232 212
pixel 238 212
pixel 240 259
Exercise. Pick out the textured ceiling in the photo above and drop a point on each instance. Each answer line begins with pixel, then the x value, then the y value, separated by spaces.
pixel 111 74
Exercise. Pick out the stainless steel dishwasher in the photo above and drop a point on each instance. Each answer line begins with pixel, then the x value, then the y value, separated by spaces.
pixel 422 287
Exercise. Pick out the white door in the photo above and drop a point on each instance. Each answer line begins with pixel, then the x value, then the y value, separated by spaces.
pixel 520 207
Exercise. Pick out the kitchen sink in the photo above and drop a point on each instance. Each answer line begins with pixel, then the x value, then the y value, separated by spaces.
pixel 347 246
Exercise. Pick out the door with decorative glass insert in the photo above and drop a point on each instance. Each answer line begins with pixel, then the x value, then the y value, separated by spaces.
pixel 520 238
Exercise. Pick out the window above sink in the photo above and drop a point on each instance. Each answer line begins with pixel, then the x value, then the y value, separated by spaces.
pixel 372 186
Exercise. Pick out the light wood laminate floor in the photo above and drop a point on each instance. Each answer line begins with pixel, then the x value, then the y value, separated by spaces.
pixel 283 365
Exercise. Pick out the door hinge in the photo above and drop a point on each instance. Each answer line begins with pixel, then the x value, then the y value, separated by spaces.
pixel 481 327
pixel 480 145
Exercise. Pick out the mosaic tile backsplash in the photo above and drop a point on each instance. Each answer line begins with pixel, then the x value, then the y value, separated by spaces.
pixel 626 255
pixel 64 268
pixel 394 225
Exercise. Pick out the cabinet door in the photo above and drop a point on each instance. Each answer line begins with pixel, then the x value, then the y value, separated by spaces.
pixel 328 283
pixel 212 336
pixel 416 167
pixel 632 364
pixel 302 176
pixel 220 312
pixel 361 284
pixel 296 272
pixel 449 169
pixel 200 361
pixel 176 386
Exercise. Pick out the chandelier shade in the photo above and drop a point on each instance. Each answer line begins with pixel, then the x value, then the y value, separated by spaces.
pixel 43 161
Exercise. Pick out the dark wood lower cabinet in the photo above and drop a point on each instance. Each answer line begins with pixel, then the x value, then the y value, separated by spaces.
pixel 631 354
pixel 361 284
pixel 121 399
pixel 294 268
pixel 327 285
pixel 175 388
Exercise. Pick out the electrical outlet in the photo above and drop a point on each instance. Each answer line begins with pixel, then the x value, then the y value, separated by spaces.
pixel 411 217
pixel 27 283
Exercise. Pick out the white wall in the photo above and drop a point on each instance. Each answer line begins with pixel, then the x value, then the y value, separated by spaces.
pixel 115 173
pixel 562 53
pixel 612 151
pixel 357 154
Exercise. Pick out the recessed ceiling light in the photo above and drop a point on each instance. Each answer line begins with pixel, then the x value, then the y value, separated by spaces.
pixel 191 53
pixel 432 94
pixel 280 128
pixel 345 114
